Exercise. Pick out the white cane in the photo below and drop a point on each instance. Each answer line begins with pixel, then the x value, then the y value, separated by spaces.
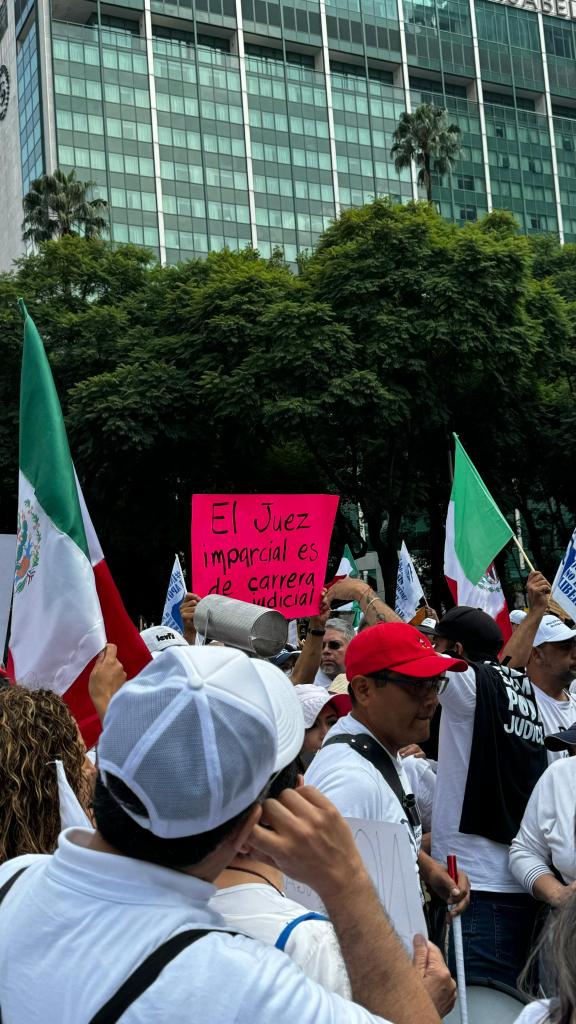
pixel 458 948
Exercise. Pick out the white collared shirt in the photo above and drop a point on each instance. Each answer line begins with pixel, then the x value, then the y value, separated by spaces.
pixel 76 924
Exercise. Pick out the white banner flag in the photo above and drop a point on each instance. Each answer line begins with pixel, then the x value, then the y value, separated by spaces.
pixel 176 594
pixel 564 585
pixel 409 593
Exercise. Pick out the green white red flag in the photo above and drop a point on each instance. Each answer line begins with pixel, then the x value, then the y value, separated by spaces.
pixel 65 603
pixel 476 531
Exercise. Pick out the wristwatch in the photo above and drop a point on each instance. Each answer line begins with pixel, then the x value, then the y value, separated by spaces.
pixel 316 632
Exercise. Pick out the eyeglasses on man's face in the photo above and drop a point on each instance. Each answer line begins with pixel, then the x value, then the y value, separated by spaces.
pixel 417 688
pixel 333 645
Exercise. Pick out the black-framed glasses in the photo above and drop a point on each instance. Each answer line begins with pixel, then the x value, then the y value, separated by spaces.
pixel 333 645
pixel 417 688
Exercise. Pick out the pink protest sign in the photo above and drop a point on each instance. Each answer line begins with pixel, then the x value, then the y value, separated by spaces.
pixel 268 549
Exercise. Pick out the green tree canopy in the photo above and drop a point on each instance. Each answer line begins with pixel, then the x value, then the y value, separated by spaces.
pixel 233 374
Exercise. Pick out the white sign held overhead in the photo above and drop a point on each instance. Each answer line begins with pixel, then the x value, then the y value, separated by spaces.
pixel 386 852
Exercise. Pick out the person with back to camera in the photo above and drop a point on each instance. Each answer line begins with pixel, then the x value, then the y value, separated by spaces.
pixel 491 755
pixel 119 918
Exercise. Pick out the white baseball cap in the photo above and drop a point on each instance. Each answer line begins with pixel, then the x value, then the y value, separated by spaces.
pixel 312 699
pixel 517 616
pixel 552 630
pixel 158 638
pixel 197 735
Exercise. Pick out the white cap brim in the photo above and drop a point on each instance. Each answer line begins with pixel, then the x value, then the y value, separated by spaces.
pixel 287 712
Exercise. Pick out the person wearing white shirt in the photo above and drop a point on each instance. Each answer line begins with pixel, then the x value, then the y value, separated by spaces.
pixel 545 840
pixel 491 754
pixel 395 677
pixel 552 668
pixel 186 754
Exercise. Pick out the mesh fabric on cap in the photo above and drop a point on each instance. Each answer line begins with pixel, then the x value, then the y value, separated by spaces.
pixel 194 760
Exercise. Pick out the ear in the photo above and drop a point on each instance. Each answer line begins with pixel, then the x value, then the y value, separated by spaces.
pixel 458 649
pixel 239 840
pixel 362 687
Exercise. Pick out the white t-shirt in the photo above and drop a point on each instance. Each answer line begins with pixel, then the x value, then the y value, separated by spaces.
pixel 356 787
pixel 536 1012
pixel 422 779
pixel 556 715
pixel 262 912
pixel 484 861
pixel 76 924
pixel 546 835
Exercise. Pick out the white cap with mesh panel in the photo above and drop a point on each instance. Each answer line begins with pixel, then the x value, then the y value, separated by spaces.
pixel 195 737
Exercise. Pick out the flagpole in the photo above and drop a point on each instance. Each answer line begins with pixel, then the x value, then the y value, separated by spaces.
pixel 523 553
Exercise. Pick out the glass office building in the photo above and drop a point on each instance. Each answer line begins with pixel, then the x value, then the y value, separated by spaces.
pixel 233 122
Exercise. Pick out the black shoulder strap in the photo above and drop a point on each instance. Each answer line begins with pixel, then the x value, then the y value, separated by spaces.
pixel 371 750
pixel 143 976
pixel 146 974
pixel 8 885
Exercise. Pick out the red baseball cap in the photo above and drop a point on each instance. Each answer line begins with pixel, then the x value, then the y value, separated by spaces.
pixel 396 647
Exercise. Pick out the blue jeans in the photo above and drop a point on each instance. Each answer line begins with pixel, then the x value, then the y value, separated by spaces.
pixel 499 930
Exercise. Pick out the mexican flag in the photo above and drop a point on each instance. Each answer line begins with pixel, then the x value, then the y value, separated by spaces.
pixel 65 604
pixel 476 531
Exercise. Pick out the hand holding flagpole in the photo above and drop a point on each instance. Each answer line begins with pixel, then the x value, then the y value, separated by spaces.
pixel 458 948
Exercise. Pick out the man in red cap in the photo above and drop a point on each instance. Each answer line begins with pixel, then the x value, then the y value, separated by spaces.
pixel 394 677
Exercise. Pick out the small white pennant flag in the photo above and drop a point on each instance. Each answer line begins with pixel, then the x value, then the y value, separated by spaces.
pixel 409 592
pixel 176 594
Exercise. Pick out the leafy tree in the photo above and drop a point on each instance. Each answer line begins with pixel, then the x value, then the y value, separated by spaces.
pixel 58 204
pixel 425 138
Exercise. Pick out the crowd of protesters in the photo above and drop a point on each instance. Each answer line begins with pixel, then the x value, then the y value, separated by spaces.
pixel 145 880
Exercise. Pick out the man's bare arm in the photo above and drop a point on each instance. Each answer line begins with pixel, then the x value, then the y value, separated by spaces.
pixel 374 608
pixel 518 648
pixel 308 662
pixel 306 837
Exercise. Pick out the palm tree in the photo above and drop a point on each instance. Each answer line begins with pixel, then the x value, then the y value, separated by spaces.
pixel 426 138
pixel 57 204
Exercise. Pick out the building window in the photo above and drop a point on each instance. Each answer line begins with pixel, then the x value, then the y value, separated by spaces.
pixel 466 182
pixel 468 213
pixel 500 131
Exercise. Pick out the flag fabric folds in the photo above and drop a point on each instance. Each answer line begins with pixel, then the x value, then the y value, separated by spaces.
pixel 65 604
pixel 176 593
pixel 564 585
pixel 476 531
pixel 409 591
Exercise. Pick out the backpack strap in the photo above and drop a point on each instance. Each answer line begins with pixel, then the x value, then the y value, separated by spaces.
pixel 372 751
pixel 289 928
pixel 8 885
pixel 146 974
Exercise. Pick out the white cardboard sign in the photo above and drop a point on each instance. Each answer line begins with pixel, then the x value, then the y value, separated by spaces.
pixel 389 860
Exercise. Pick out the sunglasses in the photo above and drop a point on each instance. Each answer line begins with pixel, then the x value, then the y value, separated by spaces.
pixel 333 645
pixel 417 688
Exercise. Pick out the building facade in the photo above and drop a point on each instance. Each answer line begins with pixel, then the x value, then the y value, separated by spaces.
pixel 207 123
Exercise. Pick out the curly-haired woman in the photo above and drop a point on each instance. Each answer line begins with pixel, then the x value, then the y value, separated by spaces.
pixel 36 729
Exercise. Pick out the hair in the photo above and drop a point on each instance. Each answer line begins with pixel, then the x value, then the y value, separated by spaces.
pixel 131 839
pixel 36 728
pixel 557 946
pixel 340 626
pixel 286 779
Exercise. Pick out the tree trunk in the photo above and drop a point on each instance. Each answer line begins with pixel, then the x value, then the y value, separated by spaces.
pixel 428 177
